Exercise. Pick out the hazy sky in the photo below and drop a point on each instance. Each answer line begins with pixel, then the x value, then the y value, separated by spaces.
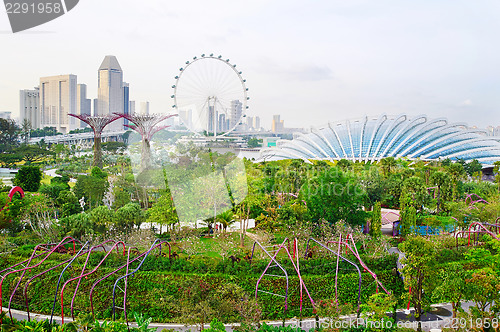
pixel 310 61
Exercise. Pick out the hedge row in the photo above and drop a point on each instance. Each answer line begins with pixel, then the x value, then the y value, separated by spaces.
pixel 155 292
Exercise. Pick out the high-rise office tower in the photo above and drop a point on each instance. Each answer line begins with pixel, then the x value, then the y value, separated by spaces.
pixel 256 123
pixel 29 107
pixel 235 114
pixel 131 107
pixel 57 100
pixel 145 108
pixel 83 105
pixel 249 123
pixel 277 124
pixel 222 123
pixel 126 102
pixel 212 120
pixel 186 117
pixel 110 91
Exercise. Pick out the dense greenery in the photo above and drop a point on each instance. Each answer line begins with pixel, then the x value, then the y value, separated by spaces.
pixel 209 271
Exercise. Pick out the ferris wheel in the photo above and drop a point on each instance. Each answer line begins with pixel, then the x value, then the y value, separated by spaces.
pixel 210 95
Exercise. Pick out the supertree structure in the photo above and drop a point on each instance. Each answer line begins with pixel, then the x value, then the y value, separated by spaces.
pixel 146 126
pixel 97 123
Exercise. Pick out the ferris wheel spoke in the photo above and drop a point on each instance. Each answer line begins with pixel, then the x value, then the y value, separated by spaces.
pixel 208 82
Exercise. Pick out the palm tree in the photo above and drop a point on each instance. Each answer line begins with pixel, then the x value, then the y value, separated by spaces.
pixel 226 218
pixel 388 164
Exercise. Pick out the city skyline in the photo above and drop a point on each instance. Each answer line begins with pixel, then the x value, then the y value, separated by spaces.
pixel 330 59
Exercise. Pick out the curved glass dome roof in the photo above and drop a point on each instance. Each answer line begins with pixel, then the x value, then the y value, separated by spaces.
pixel 370 139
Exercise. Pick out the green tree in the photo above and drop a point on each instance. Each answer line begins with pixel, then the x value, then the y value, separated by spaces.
pixel 442 181
pixel 163 212
pixel 26 130
pixel 28 178
pixel 415 188
pixel 9 133
pixel 496 171
pixel 388 164
pixel 76 225
pixel 418 272
pixel 345 164
pixel 376 224
pixel 484 291
pixel 254 143
pixel 127 216
pixel 452 286
pixel 102 218
pixel 376 308
pixel 32 153
pixel 334 196
pixel 226 218
pixel 67 203
pixel 114 147
pixel 92 187
pixel 53 190
pixel 10 159
pixel 408 216
pixel 473 167
pixel 457 173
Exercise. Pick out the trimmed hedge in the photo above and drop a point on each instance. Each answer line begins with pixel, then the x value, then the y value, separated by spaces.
pixel 155 289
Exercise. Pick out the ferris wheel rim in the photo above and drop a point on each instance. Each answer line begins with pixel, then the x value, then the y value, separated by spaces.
pixel 236 71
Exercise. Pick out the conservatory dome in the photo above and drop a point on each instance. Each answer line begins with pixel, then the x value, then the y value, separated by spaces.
pixel 374 138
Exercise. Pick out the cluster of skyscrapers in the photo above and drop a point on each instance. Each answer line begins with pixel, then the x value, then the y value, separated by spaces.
pixel 50 104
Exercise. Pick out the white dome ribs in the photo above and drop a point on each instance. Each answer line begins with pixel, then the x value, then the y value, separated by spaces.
pixel 371 139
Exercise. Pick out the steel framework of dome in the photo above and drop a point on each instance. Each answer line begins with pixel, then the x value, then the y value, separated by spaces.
pixel 371 139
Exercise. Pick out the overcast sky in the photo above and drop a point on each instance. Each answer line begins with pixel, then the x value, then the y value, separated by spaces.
pixel 310 61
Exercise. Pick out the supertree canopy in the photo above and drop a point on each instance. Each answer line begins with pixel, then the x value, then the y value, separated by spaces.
pixel 146 126
pixel 97 123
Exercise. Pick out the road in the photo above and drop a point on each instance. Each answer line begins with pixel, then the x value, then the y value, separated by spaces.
pixel 440 316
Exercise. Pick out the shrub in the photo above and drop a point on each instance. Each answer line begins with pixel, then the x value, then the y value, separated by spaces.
pixel 28 178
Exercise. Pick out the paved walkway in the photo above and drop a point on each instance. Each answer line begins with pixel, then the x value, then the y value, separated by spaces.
pixel 437 318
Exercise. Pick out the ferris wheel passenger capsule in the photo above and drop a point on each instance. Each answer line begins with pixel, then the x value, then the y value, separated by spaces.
pixel 181 69
pixel 211 54
pixel 203 55
pixel 227 60
pixel 220 56
pixel 176 77
pixel 172 96
pixel 173 86
pixel 187 62
pixel 194 58
pixel 240 72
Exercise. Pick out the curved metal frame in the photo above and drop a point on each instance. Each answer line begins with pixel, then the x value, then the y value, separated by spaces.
pixel 69 261
pixel 480 226
pixel 273 259
pixel 79 278
pixel 358 257
pixel 344 259
pixel 28 267
pixel 130 274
